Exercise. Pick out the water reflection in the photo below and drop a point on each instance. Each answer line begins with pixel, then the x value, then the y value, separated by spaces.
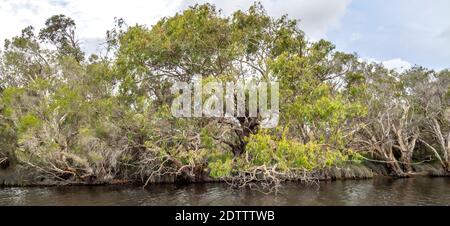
pixel 415 191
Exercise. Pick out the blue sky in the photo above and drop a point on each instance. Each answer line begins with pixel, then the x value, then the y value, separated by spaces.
pixel 398 33
pixel 416 31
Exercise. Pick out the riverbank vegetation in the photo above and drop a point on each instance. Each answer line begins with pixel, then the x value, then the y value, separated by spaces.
pixel 106 117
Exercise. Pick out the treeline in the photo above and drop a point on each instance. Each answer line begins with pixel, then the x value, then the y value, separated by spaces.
pixel 107 117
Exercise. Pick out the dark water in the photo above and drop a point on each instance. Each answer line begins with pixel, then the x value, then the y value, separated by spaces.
pixel 415 191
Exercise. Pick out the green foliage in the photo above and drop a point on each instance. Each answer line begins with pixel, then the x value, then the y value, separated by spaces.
pixel 220 169
pixel 287 154
pixel 60 30
pixel 28 121
pixel 109 117
pixel 8 140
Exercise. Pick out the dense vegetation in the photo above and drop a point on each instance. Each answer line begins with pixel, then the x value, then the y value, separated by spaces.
pixel 107 117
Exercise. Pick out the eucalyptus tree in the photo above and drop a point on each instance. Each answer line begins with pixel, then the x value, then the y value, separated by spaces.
pixel 60 31
pixel 430 92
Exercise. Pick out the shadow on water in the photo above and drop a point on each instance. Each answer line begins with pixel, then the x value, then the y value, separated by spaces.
pixel 413 191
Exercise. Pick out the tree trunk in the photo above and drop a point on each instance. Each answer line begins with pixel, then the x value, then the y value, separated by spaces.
pixel 447 154
pixel 394 166
pixel 406 161
pixel 445 143
pixel 247 127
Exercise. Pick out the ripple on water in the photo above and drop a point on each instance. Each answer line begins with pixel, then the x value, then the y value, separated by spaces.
pixel 414 191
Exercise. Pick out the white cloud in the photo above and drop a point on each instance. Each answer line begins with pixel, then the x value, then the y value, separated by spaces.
pixel 94 17
pixel 396 64
pixel 317 16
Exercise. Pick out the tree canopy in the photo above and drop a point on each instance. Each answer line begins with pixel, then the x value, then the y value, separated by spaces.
pixel 108 117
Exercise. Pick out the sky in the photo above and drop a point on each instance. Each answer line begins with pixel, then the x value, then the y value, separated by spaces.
pixel 397 33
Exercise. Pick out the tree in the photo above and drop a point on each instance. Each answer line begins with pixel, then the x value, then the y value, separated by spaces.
pixel 60 31
pixel 429 91
pixel 24 61
pixel 376 134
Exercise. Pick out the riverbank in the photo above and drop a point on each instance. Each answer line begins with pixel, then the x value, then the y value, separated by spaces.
pixel 22 177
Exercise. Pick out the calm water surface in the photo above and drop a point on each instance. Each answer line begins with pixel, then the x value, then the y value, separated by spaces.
pixel 414 191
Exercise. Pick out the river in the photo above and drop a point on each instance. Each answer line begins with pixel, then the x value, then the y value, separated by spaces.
pixel 413 191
